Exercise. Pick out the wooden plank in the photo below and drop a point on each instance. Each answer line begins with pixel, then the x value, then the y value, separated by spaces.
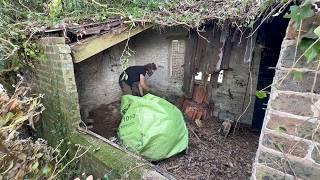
pixel 91 46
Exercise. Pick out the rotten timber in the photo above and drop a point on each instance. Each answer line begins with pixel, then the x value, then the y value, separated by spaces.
pixel 91 46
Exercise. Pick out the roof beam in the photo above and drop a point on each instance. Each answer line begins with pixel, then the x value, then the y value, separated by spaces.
pixel 91 46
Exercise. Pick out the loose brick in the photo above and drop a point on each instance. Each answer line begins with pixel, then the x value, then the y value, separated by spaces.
pixel 285 145
pixel 293 126
pixel 302 168
pixel 303 85
pixel 295 104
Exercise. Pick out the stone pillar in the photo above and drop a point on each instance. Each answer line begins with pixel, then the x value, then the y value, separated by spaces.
pixel 289 141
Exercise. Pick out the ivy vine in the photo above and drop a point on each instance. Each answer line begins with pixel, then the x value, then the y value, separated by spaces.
pixel 308 43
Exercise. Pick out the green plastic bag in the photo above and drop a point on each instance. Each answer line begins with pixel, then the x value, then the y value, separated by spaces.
pixel 152 127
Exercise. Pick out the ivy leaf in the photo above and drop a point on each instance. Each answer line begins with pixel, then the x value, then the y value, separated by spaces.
pixel 317 31
pixel 309 52
pixel 280 129
pixel 298 13
pixel 297 75
pixel 261 94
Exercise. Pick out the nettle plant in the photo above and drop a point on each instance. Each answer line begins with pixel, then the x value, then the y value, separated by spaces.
pixel 308 42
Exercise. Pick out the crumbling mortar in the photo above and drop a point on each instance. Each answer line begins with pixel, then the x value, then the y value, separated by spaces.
pixel 277 171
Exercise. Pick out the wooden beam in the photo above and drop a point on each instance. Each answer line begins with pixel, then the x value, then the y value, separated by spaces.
pixel 91 46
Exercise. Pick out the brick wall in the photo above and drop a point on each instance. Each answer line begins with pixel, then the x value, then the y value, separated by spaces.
pixel 97 77
pixel 54 78
pixel 290 137
pixel 177 54
pixel 152 46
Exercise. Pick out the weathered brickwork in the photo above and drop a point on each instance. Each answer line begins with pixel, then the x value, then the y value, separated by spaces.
pixel 55 79
pixel 289 141
pixel 177 59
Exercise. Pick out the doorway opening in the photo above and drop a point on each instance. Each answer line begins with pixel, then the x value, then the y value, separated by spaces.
pixel 270 37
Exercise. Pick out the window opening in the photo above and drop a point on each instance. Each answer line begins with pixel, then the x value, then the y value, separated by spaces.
pixel 198 76
pixel 220 77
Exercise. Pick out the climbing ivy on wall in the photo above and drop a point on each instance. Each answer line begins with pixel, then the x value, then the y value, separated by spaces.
pixel 308 41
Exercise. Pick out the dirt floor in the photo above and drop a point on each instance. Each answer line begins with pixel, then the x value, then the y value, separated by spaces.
pixel 210 155
pixel 106 119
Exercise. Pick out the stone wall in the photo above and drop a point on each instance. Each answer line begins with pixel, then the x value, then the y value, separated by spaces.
pixel 97 79
pixel 152 46
pixel 289 141
pixel 232 95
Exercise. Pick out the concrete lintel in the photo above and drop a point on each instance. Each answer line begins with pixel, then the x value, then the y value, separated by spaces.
pixel 91 46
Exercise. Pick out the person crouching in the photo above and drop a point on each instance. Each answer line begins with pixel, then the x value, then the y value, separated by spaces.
pixel 132 80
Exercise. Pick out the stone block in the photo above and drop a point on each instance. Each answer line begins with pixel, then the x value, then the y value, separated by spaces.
pixel 286 57
pixel 285 144
pixel 316 154
pixel 304 85
pixel 293 126
pixel 301 168
pixel 267 173
pixel 296 104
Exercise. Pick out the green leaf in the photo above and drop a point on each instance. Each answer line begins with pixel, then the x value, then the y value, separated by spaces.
pixel 297 75
pixel 35 165
pixel 298 13
pixel 280 129
pixel 261 94
pixel 310 52
pixel 317 31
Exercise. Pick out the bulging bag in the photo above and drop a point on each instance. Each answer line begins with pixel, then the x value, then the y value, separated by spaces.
pixel 152 127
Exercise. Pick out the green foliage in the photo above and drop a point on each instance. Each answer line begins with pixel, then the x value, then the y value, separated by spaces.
pixel 298 13
pixel 317 31
pixel 20 20
pixel 309 49
pixel 261 94
pixel 280 129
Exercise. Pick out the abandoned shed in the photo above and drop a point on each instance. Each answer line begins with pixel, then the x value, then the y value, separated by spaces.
pixel 211 75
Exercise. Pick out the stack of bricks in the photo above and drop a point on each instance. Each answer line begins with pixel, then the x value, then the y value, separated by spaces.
pixel 289 146
pixel 54 77
pixel 197 107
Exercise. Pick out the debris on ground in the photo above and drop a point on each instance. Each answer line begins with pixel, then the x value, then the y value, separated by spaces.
pixel 106 119
pixel 212 156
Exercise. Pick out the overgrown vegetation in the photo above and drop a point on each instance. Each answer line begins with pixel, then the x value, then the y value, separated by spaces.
pixel 308 41
pixel 20 156
pixel 21 20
